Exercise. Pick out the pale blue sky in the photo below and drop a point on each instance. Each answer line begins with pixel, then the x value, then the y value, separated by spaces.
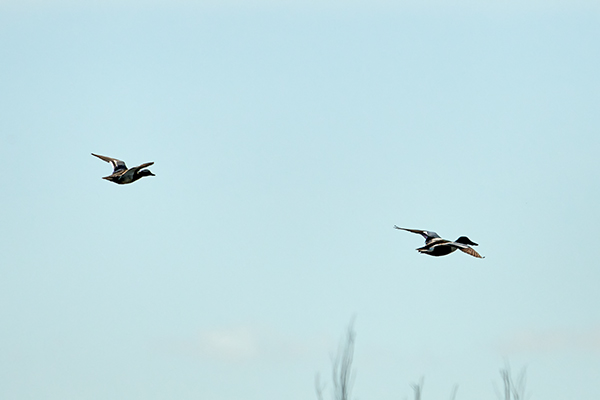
pixel 288 139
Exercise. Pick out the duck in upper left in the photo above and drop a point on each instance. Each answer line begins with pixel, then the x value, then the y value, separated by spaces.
pixel 121 174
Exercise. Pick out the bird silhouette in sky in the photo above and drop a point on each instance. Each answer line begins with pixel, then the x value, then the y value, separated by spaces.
pixel 436 246
pixel 123 175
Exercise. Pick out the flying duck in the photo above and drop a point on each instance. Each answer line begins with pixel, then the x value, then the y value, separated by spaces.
pixel 436 246
pixel 122 174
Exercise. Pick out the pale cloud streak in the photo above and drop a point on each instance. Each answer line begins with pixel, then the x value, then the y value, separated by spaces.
pixel 229 344
pixel 241 344
pixel 551 341
pixel 419 5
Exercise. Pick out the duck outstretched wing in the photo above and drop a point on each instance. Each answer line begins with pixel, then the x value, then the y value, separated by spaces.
pixel 135 169
pixel 118 165
pixel 428 235
pixel 470 251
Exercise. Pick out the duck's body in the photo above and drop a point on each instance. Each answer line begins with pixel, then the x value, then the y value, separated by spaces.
pixel 123 175
pixel 436 246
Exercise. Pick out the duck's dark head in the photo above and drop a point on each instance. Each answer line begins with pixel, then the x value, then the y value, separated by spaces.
pixel 145 172
pixel 465 240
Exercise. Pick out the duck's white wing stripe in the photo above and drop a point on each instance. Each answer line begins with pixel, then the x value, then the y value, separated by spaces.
pixel 118 165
